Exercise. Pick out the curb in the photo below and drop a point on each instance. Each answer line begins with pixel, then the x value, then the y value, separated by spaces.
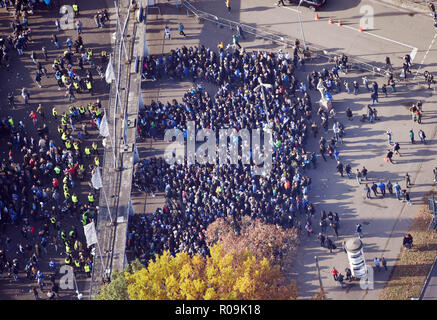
pixel 425 285
pixel 420 8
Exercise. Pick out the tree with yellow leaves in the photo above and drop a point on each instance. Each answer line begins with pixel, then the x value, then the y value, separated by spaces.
pixel 222 275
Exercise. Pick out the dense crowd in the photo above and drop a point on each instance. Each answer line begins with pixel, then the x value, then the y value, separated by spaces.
pixel 40 179
pixel 199 194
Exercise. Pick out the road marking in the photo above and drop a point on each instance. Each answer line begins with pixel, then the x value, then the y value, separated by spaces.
pixel 412 53
pixel 424 57
pixel 381 37
pixel 295 10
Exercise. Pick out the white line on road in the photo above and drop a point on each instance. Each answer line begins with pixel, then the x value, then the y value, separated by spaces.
pixel 426 53
pixel 413 51
pixel 381 37
pixel 288 8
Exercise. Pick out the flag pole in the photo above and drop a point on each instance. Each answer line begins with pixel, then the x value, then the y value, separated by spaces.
pixel 101 186
pixel 107 204
pixel 112 144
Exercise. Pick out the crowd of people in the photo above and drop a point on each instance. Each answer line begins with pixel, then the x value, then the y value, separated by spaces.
pixel 40 180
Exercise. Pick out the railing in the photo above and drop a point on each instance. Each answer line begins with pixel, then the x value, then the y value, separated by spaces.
pixel 280 39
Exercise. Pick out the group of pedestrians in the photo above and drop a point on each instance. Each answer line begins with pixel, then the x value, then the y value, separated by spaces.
pixel 40 179
pixel 197 195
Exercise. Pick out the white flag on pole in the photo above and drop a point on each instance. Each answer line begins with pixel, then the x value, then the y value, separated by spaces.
pixel 90 234
pixel 104 129
pixel 109 74
pixel 96 179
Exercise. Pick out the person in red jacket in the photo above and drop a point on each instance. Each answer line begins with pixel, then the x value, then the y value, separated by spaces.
pixel 334 273
pixel 55 183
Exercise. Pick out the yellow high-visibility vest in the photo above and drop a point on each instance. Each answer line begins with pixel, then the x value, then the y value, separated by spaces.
pixel 90 198
pixel 88 85
pixel 75 8
pixel 54 112
pixel 74 198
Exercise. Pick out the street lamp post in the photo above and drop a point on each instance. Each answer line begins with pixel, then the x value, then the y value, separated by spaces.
pixel 262 86
pixel 301 25
pixel 318 272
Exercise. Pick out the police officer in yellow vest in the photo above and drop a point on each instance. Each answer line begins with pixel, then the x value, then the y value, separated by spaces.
pixel 94 146
pixel 68 260
pixel 97 161
pixel 90 199
pixel 77 264
pixel 87 270
pixel 53 221
pixel 80 171
pixel 55 113
pixel 84 221
pixel 87 152
pixel 64 122
pixel 77 245
pixel 76 10
pixel 68 249
pixel 89 86
pixel 60 130
pixel 76 86
pixel 82 111
pixel 76 145
pixel 74 199
pixel 68 144
pixel 57 170
pixel 90 108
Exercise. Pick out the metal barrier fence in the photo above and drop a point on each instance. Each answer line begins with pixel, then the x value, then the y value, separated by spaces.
pixel 280 39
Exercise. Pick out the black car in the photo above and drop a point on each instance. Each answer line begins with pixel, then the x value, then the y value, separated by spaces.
pixel 314 5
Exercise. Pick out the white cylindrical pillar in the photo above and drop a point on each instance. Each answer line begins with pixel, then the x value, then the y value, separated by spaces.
pixel 355 254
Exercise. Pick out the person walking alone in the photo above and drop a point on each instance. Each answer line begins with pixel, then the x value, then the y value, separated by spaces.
pixel 377 263
pixel 235 40
pixel 412 136
pixel 181 30
pixel 422 136
pixel 167 34
pixel 228 5
pixel 407 180
pixel 358 176
pixel 240 31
